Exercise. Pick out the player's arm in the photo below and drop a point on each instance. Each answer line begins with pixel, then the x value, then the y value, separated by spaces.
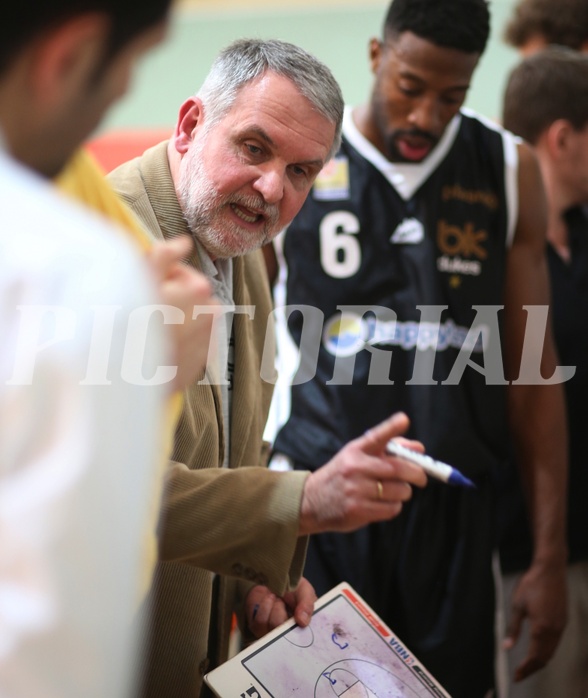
pixel 538 425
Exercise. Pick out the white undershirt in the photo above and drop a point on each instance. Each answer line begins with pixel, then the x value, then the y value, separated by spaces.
pixel 220 274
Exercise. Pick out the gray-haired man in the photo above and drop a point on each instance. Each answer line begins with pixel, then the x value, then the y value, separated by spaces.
pixel 239 166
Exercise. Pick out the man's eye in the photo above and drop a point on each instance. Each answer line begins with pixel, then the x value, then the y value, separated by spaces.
pixel 253 149
pixel 451 101
pixel 409 91
pixel 299 171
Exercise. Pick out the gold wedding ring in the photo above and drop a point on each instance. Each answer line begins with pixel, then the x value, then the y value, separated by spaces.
pixel 380 489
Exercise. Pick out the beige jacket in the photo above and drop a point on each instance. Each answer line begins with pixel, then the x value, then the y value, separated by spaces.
pixel 235 522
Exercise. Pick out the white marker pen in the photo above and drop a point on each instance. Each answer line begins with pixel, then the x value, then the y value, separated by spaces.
pixel 434 468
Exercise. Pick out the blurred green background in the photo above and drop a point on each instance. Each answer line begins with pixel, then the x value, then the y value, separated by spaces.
pixel 336 31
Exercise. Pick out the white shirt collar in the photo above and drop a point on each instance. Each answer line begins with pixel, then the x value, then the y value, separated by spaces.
pixel 220 273
pixel 406 178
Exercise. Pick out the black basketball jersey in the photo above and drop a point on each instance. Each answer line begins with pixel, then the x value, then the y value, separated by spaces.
pixel 394 281
pixel 569 292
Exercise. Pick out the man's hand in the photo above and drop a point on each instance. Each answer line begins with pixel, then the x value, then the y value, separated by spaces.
pixel 540 600
pixel 362 483
pixel 183 287
pixel 264 611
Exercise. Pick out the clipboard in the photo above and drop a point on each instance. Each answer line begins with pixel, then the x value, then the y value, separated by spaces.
pixel 347 651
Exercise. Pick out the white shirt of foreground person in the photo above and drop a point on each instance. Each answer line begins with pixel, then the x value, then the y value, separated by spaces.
pixel 77 461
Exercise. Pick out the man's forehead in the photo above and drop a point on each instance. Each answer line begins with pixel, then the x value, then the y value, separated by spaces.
pixel 408 53
pixel 407 45
pixel 280 122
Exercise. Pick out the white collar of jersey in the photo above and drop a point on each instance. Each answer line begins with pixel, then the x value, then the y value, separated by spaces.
pixel 406 178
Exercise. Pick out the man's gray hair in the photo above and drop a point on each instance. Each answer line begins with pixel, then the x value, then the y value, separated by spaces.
pixel 247 59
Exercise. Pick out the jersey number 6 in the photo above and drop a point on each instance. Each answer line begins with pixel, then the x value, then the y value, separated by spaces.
pixel 340 251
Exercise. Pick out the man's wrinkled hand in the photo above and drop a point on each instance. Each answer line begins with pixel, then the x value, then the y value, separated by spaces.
pixel 264 610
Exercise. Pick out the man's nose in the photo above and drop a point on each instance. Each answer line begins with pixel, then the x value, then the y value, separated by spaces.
pixel 270 184
pixel 425 116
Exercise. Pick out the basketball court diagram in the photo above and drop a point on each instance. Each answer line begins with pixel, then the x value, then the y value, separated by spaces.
pixel 346 651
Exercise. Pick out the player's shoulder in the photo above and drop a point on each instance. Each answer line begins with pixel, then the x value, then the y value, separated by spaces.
pixel 474 122
pixel 49 238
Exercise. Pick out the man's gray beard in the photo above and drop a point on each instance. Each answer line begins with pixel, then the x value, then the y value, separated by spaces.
pixel 201 205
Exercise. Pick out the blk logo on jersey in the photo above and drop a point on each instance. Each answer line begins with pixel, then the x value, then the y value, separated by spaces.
pixel 462 249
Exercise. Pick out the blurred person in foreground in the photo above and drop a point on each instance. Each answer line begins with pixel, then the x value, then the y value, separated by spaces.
pixel 83 373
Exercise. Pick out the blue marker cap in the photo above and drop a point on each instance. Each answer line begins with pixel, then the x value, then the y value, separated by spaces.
pixel 456 478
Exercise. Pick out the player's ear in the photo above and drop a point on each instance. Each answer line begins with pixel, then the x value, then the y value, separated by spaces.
pixel 375 53
pixel 560 138
pixel 66 57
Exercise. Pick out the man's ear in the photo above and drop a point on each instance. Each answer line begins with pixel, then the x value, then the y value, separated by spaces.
pixel 375 53
pixel 67 57
pixel 191 115
pixel 559 139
